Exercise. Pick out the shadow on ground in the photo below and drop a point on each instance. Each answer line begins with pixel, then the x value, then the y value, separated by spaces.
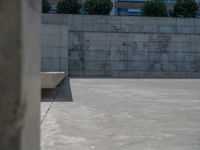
pixel 62 93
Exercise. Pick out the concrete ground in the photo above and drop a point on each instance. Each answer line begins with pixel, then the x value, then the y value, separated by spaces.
pixel 124 114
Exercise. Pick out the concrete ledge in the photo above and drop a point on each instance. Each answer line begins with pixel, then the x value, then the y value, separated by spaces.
pixel 50 80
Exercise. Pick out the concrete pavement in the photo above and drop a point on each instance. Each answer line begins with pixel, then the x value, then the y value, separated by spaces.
pixel 125 114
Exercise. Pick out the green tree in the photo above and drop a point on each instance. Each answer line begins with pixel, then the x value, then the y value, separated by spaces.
pixel 185 8
pixel 68 7
pixel 101 7
pixel 45 6
pixel 155 8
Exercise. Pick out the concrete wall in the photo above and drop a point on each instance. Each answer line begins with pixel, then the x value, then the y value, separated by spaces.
pixel 54 47
pixel 114 46
pixel 20 74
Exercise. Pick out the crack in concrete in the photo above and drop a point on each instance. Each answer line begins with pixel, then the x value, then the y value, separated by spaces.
pixel 46 113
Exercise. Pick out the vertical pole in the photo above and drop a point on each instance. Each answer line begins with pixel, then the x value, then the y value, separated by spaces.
pixel 19 74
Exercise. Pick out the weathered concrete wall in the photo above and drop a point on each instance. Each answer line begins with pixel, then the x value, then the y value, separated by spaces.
pixel 117 46
pixel 19 75
pixel 54 47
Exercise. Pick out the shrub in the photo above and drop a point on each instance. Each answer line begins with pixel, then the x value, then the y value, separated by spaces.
pixel 185 8
pixel 68 7
pixel 155 8
pixel 45 6
pixel 101 7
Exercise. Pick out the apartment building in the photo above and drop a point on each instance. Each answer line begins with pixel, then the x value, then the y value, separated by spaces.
pixel 54 4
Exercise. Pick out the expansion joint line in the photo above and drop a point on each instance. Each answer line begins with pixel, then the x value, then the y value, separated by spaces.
pixel 52 102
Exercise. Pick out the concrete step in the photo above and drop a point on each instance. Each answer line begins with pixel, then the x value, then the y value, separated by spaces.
pixel 50 80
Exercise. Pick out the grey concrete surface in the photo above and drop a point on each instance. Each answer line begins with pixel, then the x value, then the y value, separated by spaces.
pixel 125 114
pixel 20 75
pixel 50 80
pixel 45 108
pixel 54 47
pixel 93 46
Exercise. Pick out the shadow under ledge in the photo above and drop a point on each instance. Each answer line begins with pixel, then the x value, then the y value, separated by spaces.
pixel 62 93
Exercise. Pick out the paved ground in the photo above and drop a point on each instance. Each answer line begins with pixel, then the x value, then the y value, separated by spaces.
pixel 124 114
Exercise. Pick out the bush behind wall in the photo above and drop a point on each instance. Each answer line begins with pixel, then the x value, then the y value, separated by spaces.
pixel 101 7
pixel 185 8
pixel 156 8
pixel 45 6
pixel 68 7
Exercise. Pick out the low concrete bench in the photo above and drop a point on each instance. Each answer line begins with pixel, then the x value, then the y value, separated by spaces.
pixel 50 80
